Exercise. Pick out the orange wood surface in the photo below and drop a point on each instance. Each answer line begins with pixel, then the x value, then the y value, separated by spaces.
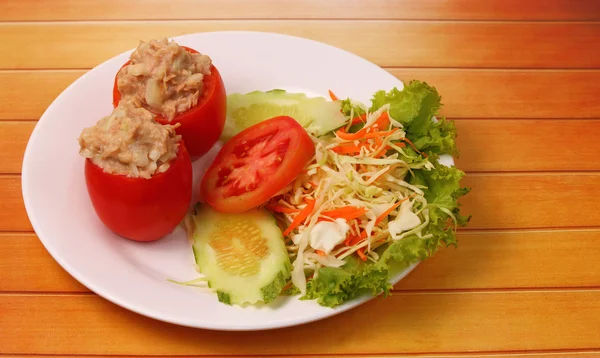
pixel 520 78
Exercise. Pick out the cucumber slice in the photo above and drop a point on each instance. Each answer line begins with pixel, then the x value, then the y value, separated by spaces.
pixel 243 256
pixel 317 114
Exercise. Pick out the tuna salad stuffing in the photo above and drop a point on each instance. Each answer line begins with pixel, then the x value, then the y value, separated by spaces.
pixel 129 142
pixel 164 77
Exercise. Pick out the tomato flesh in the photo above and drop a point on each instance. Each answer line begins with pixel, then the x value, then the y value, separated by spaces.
pixel 142 209
pixel 202 125
pixel 255 164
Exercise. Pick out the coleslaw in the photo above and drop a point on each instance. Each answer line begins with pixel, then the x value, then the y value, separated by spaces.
pixel 373 194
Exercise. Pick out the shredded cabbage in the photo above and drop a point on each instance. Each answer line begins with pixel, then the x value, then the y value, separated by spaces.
pixel 381 175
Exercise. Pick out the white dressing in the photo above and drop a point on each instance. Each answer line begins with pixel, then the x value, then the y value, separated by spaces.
pixel 406 219
pixel 326 235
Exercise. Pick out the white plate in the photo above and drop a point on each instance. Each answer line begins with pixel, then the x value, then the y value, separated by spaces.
pixel 134 275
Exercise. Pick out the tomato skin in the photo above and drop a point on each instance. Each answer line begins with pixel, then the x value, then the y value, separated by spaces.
pixel 202 125
pixel 299 152
pixel 142 209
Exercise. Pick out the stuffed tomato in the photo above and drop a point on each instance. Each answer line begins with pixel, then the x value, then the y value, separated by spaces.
pixel 180 86
pixel 138 174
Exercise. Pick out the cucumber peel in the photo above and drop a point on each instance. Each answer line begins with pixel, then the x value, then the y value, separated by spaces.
pixel 243 256
pixel 317 115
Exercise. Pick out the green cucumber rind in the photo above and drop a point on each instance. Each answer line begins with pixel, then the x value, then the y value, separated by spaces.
pixel 281 266
pixel 224 297
pixel 324 116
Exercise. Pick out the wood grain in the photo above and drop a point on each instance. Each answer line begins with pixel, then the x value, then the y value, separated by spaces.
pixel 16 99
pixel 36 10
pixel 484 145
pixel 13 216
pixel 507 145
pixel 532 200
pixel 511 259
pixel 483 260
pixel 13 140
pixel 466 93
pixel 27 266
pixel 387 43
pixel 402 323
pixel 498 201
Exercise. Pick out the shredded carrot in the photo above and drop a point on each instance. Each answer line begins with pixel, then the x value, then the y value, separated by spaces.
pixel 382 121
pixel 347 212
pixel 349 239
pixel 414 147
pixel 280 208
pixel 381 151
pixel 350 136
pixel 360 119
pixel 376 134
pixel 313 184
pixel 320 253
pixel 302 215
pixel 355 239
pixel 377 138
pixel 388 211
pixel 385 172
pixel 332 96
pixel 348 149
pixel 379 123
pixel 361 253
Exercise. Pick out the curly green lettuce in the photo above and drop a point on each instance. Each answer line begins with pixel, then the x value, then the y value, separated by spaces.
pixel 414 107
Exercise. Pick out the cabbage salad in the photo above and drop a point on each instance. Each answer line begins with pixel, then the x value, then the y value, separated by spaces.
pixel 374 199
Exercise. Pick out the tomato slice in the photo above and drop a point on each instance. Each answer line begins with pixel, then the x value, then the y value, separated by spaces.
pixel 202 125
pixel 255 164
pixel 142 209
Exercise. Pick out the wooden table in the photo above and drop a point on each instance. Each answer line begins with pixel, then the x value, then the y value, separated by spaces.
pixel 521 79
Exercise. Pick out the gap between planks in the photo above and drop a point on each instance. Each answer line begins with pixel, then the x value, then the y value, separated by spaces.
pixel 566 353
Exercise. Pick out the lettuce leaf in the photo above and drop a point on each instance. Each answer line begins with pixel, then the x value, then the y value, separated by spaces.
pixel 414 107
pixel 348 109
pixel 443 191
pixel 334 286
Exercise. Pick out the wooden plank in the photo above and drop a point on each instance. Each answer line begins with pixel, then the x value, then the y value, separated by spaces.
pixel 31 92
pixel 483 260
pixel 13 216
pixel 39 10
pixel 498 201
pixel 407 323
pixel 408 43
pixel 532 200
pixel 511 259
pixel 466 93
pixel 483 145
pixel 13 140
pixel 537 145
pixel 27 267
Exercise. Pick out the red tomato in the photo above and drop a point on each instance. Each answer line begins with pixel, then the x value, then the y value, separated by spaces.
pixel 142 209
pixel 255 164
pixel 202 125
